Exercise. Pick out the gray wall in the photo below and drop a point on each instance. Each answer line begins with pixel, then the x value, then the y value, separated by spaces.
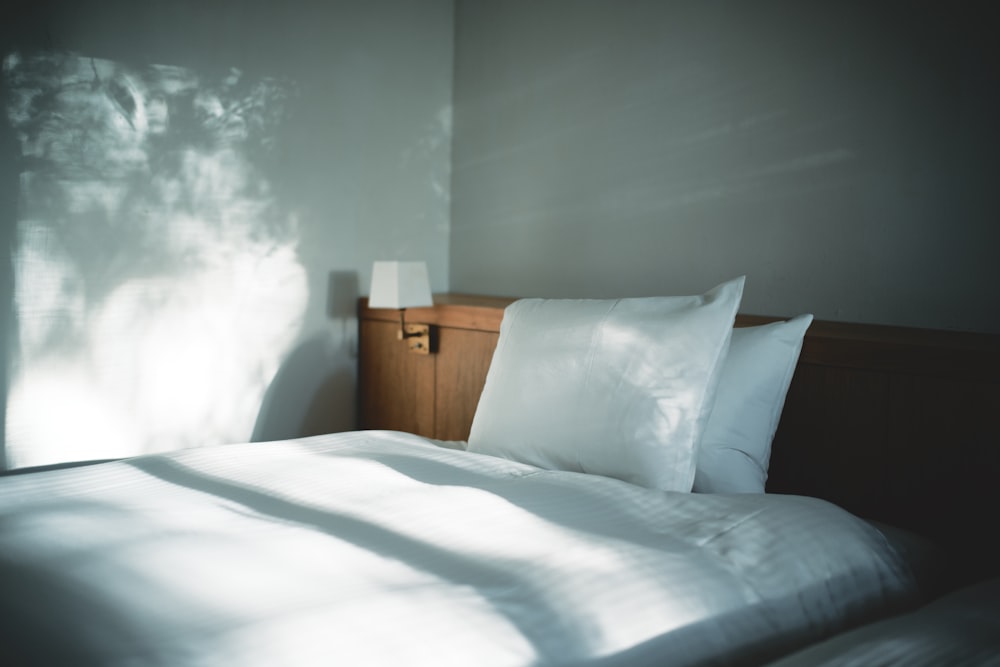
pixel 842 155
pixel 364 164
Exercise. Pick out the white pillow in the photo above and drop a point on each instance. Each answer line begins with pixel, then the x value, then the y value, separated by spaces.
pixel 736 447
pixel 620 388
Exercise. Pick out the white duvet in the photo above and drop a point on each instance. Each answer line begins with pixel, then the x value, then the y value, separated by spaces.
pixel 958 629
pixel 380 548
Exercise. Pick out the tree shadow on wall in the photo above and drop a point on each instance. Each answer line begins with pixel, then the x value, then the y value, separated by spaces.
pixel 9 177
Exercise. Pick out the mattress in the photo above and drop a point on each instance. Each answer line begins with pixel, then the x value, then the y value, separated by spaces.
pixel 382 548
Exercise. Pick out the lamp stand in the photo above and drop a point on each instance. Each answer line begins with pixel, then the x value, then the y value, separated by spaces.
pixel 417 336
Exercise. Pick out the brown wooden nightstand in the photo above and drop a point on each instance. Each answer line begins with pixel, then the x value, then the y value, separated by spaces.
pixel 432 395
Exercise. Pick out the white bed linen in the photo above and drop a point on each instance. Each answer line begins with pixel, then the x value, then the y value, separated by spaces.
pixel 380 548
pixel 962 628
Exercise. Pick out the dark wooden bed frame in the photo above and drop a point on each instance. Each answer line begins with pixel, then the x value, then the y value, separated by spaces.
pixel 894 424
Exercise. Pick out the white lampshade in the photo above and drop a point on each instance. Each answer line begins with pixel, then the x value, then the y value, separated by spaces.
pixel 400 285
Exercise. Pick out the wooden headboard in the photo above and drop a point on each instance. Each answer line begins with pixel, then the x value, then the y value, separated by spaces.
pixel 893 424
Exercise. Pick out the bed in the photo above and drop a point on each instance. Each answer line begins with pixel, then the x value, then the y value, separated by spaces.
pixel 519 542
pixel 959 628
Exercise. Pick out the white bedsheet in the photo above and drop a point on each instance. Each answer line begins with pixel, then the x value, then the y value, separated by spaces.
pixel 959 629
pixel 380 548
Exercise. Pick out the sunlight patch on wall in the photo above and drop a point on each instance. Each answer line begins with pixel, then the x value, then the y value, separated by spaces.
pixel 157 282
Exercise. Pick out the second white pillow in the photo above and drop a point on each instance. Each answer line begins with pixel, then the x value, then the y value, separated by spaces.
pixel 735 449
